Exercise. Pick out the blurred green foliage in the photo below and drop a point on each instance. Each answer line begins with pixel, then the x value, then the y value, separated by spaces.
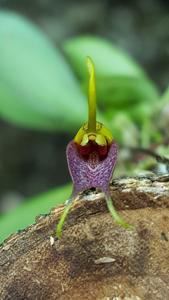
pixel 25 215
pixel 37 87
pixel 121 82
pixel 124 91
pixel 42 89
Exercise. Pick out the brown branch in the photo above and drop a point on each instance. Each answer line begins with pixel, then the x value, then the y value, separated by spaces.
pixel 95 259
pixel 159 158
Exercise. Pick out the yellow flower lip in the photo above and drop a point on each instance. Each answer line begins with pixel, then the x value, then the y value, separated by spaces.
pixel 92 130
pixel 102 136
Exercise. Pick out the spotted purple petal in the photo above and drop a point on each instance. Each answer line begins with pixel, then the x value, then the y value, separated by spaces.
pixel 88 173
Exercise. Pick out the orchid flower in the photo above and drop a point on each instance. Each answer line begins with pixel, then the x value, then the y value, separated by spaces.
pixel 91 157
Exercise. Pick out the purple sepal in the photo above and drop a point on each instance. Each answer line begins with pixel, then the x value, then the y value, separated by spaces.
pixel 85 174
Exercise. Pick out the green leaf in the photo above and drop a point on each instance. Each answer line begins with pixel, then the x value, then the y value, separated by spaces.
pixel 120 81
pixel 17 112
pixel 109 60
pixel 123 92
pixel 25 214
pixel 37 86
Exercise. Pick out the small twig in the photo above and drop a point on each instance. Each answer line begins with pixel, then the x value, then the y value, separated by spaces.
pixel 159 158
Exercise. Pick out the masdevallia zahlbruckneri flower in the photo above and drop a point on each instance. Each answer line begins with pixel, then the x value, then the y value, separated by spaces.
pixel 91 156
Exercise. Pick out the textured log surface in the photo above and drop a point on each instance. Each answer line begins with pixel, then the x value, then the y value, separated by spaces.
pixel 95 258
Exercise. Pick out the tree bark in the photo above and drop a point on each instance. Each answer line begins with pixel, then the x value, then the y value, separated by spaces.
pixel 95 258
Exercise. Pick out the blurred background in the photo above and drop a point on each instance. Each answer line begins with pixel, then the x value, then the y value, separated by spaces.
pixel 32 160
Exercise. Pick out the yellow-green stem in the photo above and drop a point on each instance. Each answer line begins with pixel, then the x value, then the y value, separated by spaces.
pixel 62 220
pixel 119 220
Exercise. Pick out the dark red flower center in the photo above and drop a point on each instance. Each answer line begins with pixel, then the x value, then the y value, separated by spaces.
pixel 93 148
